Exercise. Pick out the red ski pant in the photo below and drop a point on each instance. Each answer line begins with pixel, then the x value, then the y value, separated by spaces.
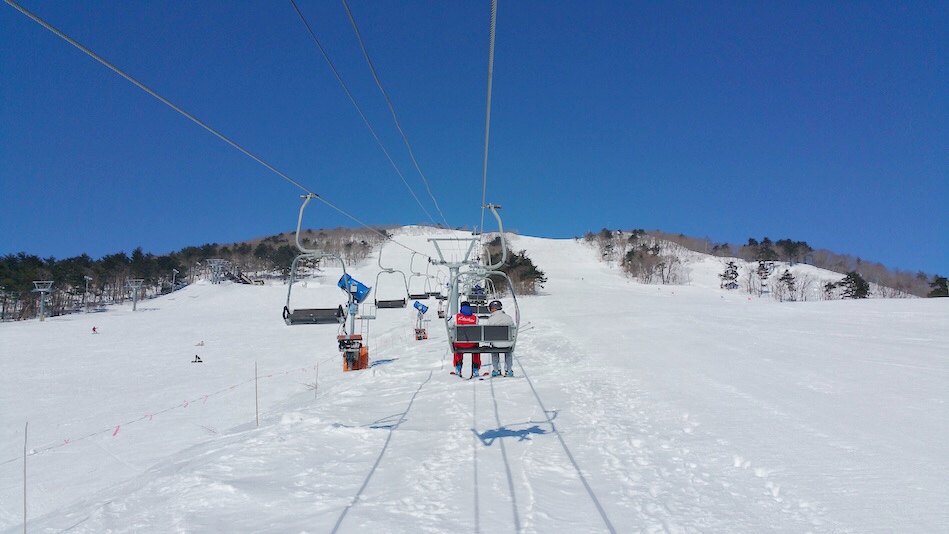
pixel 459 357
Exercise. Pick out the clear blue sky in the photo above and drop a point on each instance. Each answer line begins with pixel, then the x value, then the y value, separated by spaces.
pixel 826 122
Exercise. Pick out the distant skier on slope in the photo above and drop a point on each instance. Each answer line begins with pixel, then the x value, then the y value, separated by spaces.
pixel 466 317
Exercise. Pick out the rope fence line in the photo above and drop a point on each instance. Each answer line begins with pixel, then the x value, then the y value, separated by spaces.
pixel 201 399
pixel 386 342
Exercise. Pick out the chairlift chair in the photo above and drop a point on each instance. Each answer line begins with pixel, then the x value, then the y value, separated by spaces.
pixel 437 290
pixel 390 303
pixel 426 289
pixel 482 335
pixel 298 316
pixel 485 335
pixel 352 346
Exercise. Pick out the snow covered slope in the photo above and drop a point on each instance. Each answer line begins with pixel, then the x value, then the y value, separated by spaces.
pixel 636 409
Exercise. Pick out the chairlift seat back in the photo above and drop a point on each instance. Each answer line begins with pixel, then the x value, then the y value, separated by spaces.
pixel 484 335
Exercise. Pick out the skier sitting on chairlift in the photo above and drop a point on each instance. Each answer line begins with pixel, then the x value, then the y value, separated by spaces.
pixel 466 317
pixel 498 317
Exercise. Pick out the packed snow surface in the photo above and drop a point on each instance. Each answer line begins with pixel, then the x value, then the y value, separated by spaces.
pixel 635 408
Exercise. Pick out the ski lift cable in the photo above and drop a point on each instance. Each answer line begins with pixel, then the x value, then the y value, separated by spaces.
pixel 359 110
pixel 395 118
pixel 194 119
pixel 145 88
pixel 487 119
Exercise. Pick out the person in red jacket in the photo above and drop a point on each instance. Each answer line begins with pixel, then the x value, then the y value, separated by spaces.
pixel 466 317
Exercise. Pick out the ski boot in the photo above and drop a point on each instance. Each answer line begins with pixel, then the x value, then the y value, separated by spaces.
pixel 509 374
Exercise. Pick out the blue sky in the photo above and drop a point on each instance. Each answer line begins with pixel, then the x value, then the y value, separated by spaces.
pixel 816 121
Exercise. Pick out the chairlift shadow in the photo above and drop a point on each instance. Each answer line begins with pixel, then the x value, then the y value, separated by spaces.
pixel 489 436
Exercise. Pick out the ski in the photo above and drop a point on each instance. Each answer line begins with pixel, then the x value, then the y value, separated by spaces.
pixel 480 376
pixel 504 376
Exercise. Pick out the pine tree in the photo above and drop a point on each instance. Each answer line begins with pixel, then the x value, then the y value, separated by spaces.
pixel 788 280
pixel 526 278
pixel 940 287
pixel 829 288
pixel 730 276
pixel 854 286
pixel 765 251
pixel 763 272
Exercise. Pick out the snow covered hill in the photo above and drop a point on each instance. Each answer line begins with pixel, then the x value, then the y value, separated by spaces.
pixel 636 408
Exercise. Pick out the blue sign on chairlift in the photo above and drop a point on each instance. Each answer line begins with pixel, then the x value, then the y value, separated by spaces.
pixel 420 307
pixel 351 285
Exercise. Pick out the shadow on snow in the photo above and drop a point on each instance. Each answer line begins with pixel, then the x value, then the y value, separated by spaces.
pixel 488 436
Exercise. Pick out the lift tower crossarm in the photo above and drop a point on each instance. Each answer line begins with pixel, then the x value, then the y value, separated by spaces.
pixel 454 267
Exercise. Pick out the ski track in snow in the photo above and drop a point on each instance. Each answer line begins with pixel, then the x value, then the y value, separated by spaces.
pixel 662 482
pixel 668 409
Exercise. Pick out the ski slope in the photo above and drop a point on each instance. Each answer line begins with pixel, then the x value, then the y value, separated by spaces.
pixel 636 408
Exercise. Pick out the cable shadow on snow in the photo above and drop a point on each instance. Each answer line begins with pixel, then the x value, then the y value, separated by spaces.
pixel 488 437
pixel 385 446
pixel 388 422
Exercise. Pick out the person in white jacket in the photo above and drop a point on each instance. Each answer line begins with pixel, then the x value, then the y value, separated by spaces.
pixel 499 318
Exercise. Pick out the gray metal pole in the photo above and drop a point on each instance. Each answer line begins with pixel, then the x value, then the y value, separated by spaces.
pixel 25 433
pixel 42 287
pixel 135 285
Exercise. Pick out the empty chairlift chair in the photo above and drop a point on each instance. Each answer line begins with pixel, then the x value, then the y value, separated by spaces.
pixel 418 286
pixel 353 346
pixel 390 302
pixel 298 316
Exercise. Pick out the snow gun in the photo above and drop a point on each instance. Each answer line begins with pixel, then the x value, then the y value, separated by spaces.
pixel 421 332
pixel 350 285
